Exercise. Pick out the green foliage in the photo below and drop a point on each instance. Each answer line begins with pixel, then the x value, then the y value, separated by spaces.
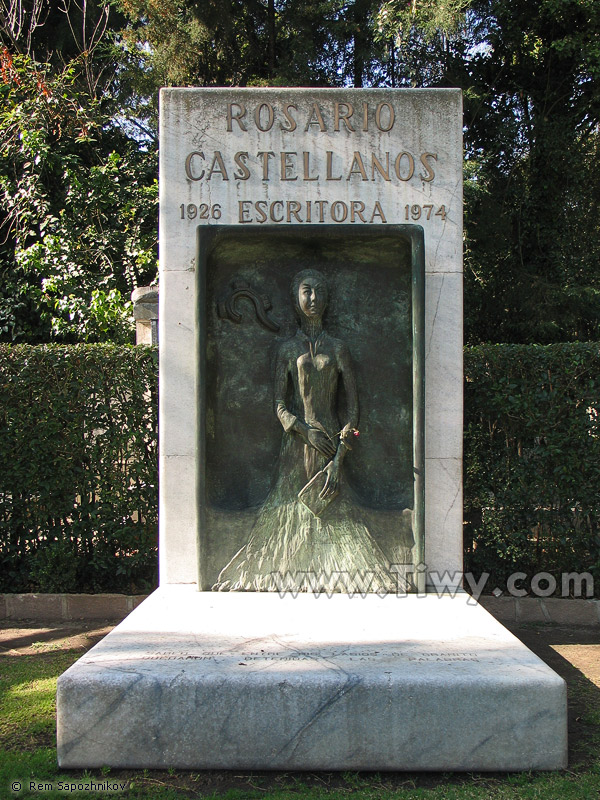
pixel 240 43
pixel 271 42
pixel 78 498
pixel 79 203
pixel 78 490
pixel 532 459
pixel 78 194
pixel 398 18
pixel 531 75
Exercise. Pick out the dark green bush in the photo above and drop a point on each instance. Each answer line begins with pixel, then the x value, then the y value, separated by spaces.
pixel 532 460
pixel 78 447
pixel 78 483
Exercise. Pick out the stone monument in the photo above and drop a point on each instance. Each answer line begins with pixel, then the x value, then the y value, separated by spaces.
pixel 310 460
pixel 145 314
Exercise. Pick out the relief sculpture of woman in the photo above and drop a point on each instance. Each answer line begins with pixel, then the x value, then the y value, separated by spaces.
pixel 328 548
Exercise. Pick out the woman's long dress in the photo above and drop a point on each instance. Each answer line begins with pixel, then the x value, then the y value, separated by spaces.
pixel 290 548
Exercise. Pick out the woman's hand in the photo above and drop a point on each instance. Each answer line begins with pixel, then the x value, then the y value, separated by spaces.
pixel 321 442
pixel 332 471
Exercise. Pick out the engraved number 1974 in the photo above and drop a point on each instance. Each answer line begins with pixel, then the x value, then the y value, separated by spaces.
pixel 416 212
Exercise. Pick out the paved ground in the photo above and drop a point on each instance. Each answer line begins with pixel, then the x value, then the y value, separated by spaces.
pixel 28 638
pixel 565 649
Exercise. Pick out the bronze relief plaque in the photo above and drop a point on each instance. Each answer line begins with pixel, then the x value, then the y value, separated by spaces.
pixel 311 408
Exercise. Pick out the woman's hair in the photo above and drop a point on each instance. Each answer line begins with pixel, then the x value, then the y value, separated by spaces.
pixel 297 281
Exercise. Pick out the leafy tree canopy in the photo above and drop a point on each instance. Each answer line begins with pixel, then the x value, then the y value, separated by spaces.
pixel 532 114
pixel 79 204
pixel 79 85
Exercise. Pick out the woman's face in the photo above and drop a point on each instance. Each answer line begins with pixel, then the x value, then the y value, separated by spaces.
pixel 312 297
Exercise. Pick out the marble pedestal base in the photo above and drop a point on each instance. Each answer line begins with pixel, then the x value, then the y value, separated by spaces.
pixel 257 681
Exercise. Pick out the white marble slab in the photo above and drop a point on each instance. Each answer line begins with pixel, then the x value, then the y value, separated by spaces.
pixel 443 522
pixel 443 367
pixel 258 681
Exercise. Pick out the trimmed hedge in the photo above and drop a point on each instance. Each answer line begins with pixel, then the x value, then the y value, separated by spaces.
pixel 532 460
pixel 78 447
pixel 78 483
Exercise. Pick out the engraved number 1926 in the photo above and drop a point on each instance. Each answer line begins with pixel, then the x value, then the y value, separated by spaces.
pixel 203 211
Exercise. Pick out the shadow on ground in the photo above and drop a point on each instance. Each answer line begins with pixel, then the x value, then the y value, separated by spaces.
pixel 574 653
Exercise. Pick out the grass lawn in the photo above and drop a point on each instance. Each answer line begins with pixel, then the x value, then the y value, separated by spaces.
pixel 32 658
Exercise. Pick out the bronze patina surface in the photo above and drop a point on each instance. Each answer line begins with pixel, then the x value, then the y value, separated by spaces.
pixel 297 384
